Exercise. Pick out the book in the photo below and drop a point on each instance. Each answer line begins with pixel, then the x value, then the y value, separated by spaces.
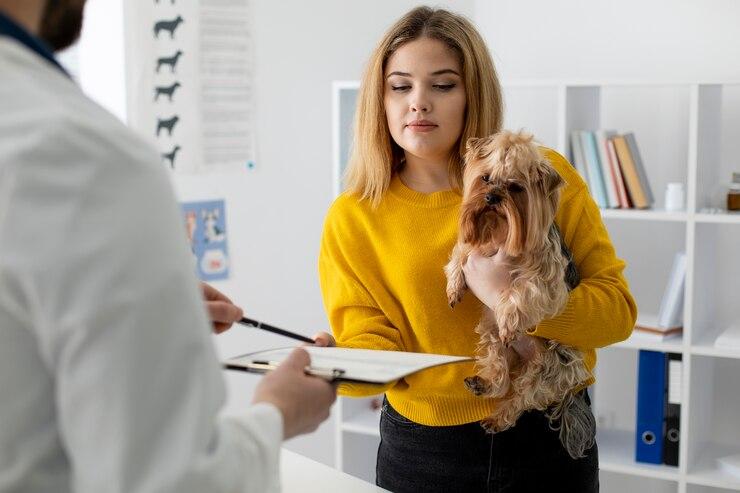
pixel 622 195
pixel 595 180
pixel 648 328
pixel 637 159
pixel 730 464
pixel 631 178
pixel 576 150
pixel 729 338
pixel 610 181
pixel 366 366
pixel 670 313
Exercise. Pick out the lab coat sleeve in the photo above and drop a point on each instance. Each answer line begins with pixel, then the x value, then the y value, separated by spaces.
pixel 122 326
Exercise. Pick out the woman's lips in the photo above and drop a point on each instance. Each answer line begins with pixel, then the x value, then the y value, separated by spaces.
pixel 421 126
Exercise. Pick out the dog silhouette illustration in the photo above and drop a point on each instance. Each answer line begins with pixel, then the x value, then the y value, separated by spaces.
pixel 211 230
pixel 165 90
pixel 168 124
pixel 168 26
pixel 170 156
pixel 169 60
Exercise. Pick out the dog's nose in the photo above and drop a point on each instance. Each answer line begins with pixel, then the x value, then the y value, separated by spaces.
pixel 492 199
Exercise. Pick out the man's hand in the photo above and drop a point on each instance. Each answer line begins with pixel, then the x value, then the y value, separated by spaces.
pixel 222 312
pixel 487 277
pixel 303 400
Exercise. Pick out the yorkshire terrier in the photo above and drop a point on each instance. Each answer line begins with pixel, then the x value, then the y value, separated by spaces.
pixel 510 197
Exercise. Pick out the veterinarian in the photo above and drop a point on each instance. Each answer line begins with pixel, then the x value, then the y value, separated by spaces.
pixel 109 378
pixel 429 86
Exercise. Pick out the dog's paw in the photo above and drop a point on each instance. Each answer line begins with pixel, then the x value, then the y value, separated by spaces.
pixel 455 292
pixel 454 297
pixel 477 385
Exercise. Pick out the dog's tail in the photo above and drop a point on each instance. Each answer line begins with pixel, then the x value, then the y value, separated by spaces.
pixel 576 423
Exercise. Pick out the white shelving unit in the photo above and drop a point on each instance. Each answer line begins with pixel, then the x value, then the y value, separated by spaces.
pixel 687 131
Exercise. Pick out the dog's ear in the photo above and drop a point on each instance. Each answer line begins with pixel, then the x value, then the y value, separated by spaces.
pixel 549 177
pixel 469 226
pixel 473 142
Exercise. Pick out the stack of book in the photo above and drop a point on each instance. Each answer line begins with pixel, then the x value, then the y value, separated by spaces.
pixel 612 167
pixel 669 321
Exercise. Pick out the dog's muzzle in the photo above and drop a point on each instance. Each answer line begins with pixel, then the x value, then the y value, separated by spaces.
pixel 493 199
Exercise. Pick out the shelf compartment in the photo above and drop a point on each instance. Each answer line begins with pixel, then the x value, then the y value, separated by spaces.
pixel 617 454
pixel 716 284
pixel 707 472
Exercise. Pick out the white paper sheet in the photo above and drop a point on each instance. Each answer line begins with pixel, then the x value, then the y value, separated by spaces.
pixel 363 365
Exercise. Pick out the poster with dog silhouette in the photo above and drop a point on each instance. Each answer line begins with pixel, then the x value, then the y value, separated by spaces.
pixel 205 225
pixel 190 82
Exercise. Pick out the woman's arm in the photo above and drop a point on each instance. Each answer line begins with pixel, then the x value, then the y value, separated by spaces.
pixel 600 310
pixel 355 318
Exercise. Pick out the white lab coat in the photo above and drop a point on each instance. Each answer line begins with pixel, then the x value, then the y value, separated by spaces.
pixel 108 377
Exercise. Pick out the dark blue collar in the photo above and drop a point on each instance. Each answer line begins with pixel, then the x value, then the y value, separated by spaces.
pixel 11 29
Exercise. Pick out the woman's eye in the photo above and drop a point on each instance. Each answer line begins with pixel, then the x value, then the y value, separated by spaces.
pixel 485 178
pixel 444 87
pixel 400 88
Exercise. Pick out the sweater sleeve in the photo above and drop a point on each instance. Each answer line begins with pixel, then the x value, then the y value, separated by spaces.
pixel 600 310
pixel 356 319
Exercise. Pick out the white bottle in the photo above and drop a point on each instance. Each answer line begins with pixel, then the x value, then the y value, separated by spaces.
pixel 674 197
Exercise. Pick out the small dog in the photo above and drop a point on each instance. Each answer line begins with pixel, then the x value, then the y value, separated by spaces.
pixel 510 198
pixel 170 156
pixel 168 26
pixel 167 124
pixel 166 90
pixel 169 60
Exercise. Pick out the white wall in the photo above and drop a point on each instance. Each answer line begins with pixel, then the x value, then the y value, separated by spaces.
pixel 629 39
pixel 275 213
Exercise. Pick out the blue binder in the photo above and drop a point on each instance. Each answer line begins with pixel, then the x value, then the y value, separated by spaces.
pixel 650 407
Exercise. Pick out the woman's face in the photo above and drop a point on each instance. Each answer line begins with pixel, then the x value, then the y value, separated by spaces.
pixel 424 98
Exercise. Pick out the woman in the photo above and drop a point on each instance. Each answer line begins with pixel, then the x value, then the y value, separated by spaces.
pixel 430 85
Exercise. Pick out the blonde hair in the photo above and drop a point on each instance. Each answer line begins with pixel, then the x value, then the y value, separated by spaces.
pixel 375 156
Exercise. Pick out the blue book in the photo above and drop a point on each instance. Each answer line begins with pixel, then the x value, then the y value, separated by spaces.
pixel 595 178
pixel 650 407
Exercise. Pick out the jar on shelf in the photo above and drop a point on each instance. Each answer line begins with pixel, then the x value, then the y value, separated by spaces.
pixel 733 196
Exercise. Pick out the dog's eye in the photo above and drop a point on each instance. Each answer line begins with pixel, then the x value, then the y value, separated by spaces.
pixel 485 178
pixel 515 187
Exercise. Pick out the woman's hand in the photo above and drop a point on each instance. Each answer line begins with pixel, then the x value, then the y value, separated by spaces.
pixel 487 277
pixel 324 339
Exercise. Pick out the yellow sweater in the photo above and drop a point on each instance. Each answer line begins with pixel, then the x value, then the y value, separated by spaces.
pixel 384 288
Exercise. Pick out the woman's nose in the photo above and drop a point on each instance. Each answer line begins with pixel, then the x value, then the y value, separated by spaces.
pixel 420 103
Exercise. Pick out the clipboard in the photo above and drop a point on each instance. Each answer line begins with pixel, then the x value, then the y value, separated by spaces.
pixel 346 365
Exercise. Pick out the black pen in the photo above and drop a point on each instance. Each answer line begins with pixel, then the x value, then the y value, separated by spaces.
pixel 275 330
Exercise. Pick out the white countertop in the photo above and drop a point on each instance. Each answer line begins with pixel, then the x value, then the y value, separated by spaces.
pixel 300 474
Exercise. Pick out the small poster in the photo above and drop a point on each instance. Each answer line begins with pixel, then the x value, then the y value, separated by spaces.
pixel 190 83
pixel 205 223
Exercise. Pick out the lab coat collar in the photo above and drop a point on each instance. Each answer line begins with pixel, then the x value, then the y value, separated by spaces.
pixel 13 30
